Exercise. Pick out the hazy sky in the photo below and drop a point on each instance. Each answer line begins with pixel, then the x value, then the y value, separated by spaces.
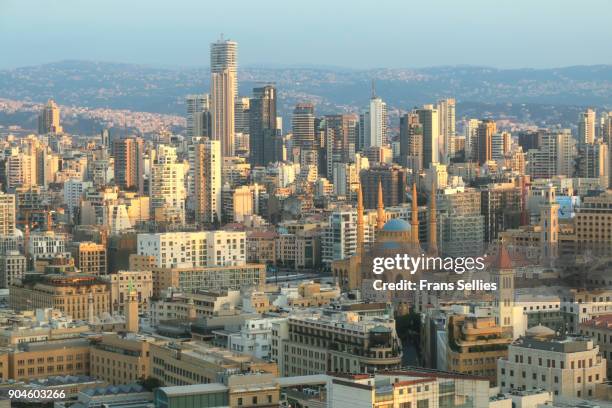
pixel 358 34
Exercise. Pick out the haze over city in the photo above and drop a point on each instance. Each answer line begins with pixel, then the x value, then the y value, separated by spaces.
pixel 351 34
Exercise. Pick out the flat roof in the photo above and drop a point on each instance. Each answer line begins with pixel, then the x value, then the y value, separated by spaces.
pixel 193 389
pixel 303 380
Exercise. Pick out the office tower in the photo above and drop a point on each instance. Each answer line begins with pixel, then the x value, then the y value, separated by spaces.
pixel 241 115
pixel 485 132
pixel 7 214
pixel 129 163
pixel 549 224
pixel 586 126
pixel 265 145
pixel 593 162
pixel 394 185
pixel 446 115
pixel 339 132
pixel 208 181
pixel 224 55
pixel 470 131
pixel 428 118
pixel 554 154
pixel 411 142
pixel 303 125
pixel 222 110
pixel 49 119
pixel 198 115
pixel 224 91
pixel 167 187
pixel 375 123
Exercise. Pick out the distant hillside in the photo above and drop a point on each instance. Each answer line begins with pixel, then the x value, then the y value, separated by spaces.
pixel 539 95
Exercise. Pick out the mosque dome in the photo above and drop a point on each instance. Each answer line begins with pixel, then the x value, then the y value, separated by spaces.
pixel 396 225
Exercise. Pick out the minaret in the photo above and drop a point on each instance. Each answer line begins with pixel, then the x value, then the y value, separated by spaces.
pixel 414 222
pixel 380 209
pixel 360 232
pixel 432 245
pixel 131 309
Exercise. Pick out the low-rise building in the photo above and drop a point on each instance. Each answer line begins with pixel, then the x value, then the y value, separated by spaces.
pixel 82 297
pixel 567 366
pixel 194 362
pixel 600 330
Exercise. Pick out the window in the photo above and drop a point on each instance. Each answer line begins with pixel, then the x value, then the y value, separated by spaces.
pixel 239 401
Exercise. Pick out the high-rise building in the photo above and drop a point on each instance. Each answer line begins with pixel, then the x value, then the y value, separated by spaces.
pixel 263 137
pixel 303 124
pixel 586 126
pixel 167 187
pixel 7 214
pixel 460 224
pixel 486 129
pixel 593 162
pixel 392 179
pixel 198 115
pixel 222 110
pixel 375 123
pixel 428 118
pixel 339 132
pixel 411 142
pixel 20 170
pixel 553 154
pixel 241 115
pixel 129 163
pixel 208 181
pixel 446 111
pixel 224 55
pixel 470 131
pixel 49 119
pixel 224 91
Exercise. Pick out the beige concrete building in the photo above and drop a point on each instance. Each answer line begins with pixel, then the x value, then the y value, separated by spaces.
pixel 600 330
pixel 50 358
pixel 212 278
pixel 80 296
pixel 142 281
pixel 194 362
pixel 570 367
pixel 7 214
pixel 90 258
pixel 201 304
pixel 343 342
pixel 475 345
pixel 261 247
pixel 121 359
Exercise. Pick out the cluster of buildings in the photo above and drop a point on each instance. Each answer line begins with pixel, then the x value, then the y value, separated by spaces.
pixel 232 264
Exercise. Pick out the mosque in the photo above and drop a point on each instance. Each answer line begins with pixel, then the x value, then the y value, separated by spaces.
pixel 393 236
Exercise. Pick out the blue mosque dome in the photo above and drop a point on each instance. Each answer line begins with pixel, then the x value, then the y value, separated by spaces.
pixel 396 225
